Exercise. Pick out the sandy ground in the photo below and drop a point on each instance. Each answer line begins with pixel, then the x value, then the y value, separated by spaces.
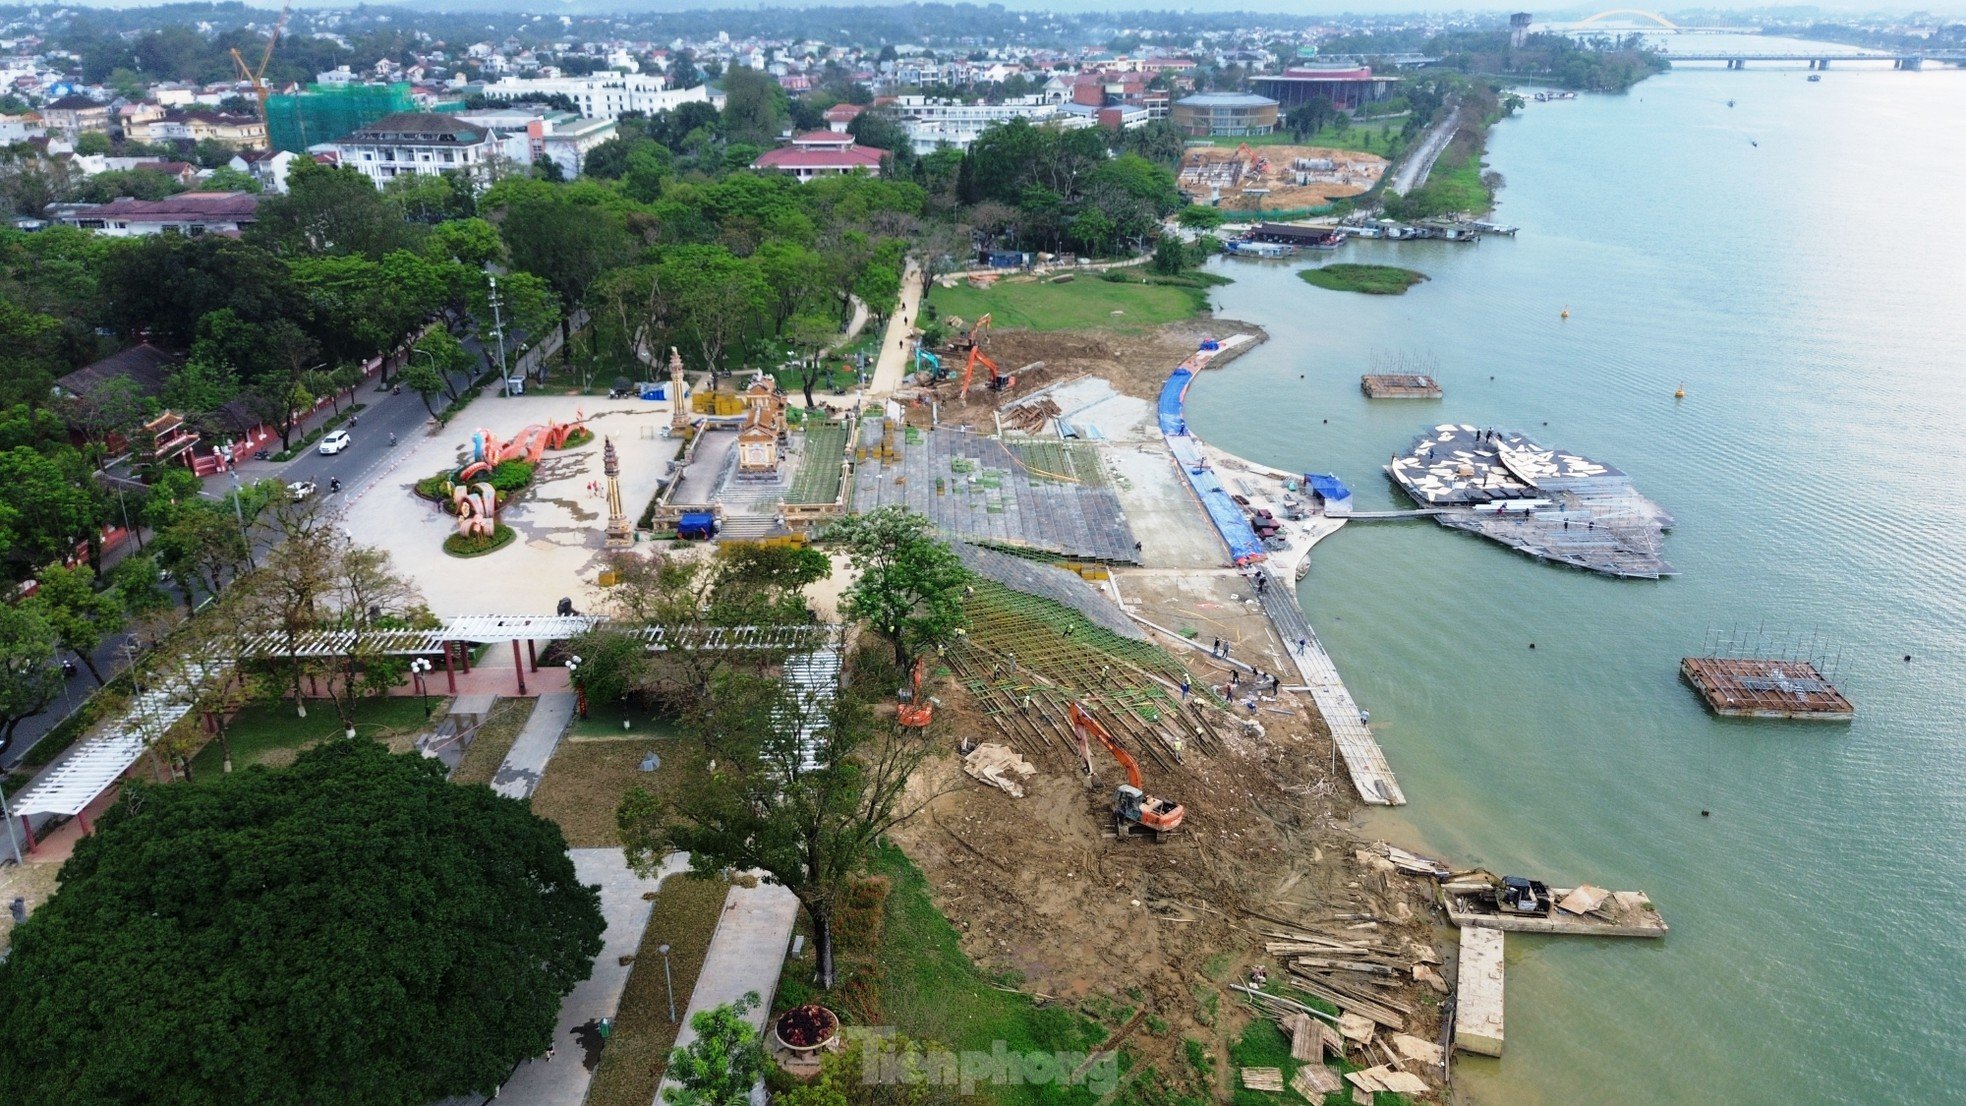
pixel 560 545
pixel 1353 173
pixel 33 882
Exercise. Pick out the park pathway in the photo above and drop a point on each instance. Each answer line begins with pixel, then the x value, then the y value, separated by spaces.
pixel 896 357
pixel 519 775
pixel 746 954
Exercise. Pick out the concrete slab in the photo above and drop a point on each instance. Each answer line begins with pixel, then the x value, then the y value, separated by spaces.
pixel 519 774
pixel 559 523
pixel 746 954
pixel 577 1041
pixel 1478 997
pixel 1173 531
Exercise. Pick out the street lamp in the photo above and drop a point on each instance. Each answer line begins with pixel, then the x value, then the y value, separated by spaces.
pixel 669 982
pixel 498 331
pixel 418 668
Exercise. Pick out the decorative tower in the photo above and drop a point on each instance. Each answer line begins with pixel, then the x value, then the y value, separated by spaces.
pixel 678 410
pixel 1519 28
pixel 620 535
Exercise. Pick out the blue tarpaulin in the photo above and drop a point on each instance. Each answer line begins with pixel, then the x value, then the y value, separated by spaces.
pixel 1230 522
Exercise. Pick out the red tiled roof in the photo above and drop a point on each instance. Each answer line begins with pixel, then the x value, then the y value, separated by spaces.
pixel 822 138
pixel 807 157
pixel 201 205
pixel 840 113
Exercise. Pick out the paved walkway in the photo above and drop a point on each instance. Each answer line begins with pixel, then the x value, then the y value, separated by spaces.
pixel 519 775
pixel 746 954
pixel 897 356
pixel 577 1041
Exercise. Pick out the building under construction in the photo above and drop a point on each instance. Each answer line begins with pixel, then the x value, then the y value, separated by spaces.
pixel 326 112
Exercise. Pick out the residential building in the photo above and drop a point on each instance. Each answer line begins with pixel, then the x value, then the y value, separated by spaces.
pixel 268 167
pixel 1344 86
pixel 1224 113
pixel 841 116
pixel 188 213
pixel 420 143
pixel 531 132
pixel 602 95
pixel 237 131
pixel 76 115
pixel 821 154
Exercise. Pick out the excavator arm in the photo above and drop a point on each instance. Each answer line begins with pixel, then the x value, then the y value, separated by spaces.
pixel 1133 809
pixel 1085 725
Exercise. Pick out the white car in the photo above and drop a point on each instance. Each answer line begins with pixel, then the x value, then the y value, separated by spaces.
pixel 335 442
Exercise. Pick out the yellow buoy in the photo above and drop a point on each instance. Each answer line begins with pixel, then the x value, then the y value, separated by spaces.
pixel 1679 392
pixel 1566 313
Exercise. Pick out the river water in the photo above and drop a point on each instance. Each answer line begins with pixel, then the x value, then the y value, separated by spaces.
pixel 1798 263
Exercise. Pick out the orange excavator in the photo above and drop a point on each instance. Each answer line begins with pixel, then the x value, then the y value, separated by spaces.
pixel 1134 811
pixel 915 710
pixel 997 378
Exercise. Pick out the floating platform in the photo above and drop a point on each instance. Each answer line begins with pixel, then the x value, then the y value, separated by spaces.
pixel 1553 505
pixel 1478 993
pixel 1743 687
pixel 1399 386
pixel 1579 912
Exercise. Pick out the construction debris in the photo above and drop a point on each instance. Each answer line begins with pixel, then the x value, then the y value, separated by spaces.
pixel 999 767
pixel 1262 1079
pixel 1413 1048
pixel 1314 1081
pixel 1385 1077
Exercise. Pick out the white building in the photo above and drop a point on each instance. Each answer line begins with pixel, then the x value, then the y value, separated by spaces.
pixel 423 143
pixel 931 122
pixel 602 95
pixel 530 133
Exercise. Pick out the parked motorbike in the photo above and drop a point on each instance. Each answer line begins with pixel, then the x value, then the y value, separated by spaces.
pixel 261 455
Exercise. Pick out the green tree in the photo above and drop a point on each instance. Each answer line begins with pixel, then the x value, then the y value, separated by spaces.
pixel 909 586
pixel 29 680
pixel 566 245
pixel 1201 217
pixel 330 210
pixel 92 144
pixel 1170 256
pixel 723 1063
pixel 351 929
pixel 227 179
pixel 80 616
pixel 805 787
pixel 436 361
pixel 754 106
pixel 49 508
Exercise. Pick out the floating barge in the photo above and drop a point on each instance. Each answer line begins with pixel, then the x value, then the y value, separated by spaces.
pixel 1577 911
pixel 1743 687
pixel 1548 503
pixel 1399 386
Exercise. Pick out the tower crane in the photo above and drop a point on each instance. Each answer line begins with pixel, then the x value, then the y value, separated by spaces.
pixel 257 77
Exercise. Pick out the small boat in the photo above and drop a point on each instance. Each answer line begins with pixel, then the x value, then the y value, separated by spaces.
pixel 1814 77
pixel 1730 103
pixel 1564 314
pixel 1679 392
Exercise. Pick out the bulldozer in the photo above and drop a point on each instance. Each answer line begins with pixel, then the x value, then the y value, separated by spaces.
pixel 1134 811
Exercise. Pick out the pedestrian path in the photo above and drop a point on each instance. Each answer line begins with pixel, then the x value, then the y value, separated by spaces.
pixel 577 1038
pixel 746 955
pixel 896 357
pixel 519 775
pixel 1364 760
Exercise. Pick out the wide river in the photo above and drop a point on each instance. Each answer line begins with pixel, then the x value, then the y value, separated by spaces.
pixel 1798 262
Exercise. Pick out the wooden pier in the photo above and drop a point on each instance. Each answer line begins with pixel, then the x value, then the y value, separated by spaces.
pixel 1742 687
pixel 1399 386
pixel 1363 758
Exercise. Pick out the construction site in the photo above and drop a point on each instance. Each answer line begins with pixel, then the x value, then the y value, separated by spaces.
pixel 1148 811
pixel 1276 178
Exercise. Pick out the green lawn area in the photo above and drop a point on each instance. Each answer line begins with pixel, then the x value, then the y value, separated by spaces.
pixel 1087 301
pixel 271 734
pixel 917 979
pixel 683 916
pixel 1373 280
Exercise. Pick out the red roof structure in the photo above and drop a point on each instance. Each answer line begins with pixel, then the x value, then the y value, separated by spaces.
pixel 820 160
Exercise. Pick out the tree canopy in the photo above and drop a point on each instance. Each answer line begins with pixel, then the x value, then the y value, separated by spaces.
pixel 350 929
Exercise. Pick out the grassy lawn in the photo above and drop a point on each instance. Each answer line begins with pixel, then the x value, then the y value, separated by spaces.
pixel 585 782
pixel 604 721
pixel 914 976
pixel 683 917
pixel 1368 135
pixel 1088 301
pixel 271 734
pixel 1373 280
pixel 494 740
